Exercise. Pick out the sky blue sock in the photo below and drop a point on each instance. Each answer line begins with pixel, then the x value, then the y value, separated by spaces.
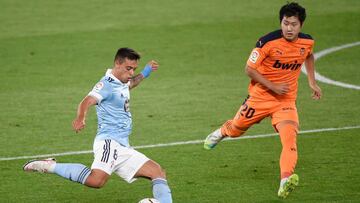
pixel 74 172
pixel 161 190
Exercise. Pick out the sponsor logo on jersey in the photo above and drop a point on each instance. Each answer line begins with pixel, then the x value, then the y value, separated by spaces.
pixel 286 66
pixel 254 56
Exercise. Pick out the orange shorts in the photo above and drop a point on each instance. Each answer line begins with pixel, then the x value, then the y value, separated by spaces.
pixel 252 111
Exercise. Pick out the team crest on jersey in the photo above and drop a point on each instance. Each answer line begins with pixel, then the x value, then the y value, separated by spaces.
pixel 302 51
pixel 278 52
pixel 99 86
pixel 254 56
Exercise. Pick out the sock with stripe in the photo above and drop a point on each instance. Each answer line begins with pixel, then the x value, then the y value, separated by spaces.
pixel 161 190
pixel 74 172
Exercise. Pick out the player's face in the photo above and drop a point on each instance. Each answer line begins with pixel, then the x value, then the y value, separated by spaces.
pixel 290 27
pixel 127 69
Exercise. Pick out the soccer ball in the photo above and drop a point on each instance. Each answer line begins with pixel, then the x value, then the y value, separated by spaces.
pixel 149 200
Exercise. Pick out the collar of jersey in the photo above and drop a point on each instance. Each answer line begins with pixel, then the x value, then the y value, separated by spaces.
pixel 109 74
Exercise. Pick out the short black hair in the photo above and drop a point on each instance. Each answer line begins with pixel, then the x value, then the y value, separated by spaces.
pixel 293 9
pixel 126 53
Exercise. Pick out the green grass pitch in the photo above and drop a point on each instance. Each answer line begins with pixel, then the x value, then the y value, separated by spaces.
pixel 53 52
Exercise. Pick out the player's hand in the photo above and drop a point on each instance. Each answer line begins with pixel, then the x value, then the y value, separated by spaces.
pixel 280 89
pixel 78 125
pixel 150 66
pixel 154 65
pixel 316 95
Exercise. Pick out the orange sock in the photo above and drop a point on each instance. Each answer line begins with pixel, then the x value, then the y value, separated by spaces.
pixel 229 129
pixel 288 157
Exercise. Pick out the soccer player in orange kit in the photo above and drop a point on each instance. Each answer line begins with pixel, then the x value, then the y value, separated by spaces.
pixel 274 67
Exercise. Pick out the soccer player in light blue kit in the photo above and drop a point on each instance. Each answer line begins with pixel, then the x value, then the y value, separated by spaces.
pixel 112 152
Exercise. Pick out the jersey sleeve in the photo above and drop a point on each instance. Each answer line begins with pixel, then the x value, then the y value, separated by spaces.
pixel 101 91
pixel 308 40
pixel 256 57
pixel 311 49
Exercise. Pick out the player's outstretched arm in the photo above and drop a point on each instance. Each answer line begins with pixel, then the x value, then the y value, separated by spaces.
pixel 150 66
pixel 79 122
pixel 310 69
pixel 279 89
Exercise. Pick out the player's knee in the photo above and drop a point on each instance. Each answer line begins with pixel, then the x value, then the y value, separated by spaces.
pixel 162 174
pixel 98 184
pixel 158 172
pixel 95 181
pixel 288 135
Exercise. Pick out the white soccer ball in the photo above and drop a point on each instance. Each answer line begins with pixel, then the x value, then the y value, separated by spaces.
pixel 149 200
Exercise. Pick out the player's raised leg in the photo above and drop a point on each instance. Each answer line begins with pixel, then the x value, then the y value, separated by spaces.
pixel 245 117
pixel 74 172
pixel 231 128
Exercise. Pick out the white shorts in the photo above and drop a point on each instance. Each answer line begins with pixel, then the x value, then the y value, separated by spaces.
pixel 110 156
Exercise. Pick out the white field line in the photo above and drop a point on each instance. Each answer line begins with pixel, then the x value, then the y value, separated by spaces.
pixel 177 143
pixel 328 80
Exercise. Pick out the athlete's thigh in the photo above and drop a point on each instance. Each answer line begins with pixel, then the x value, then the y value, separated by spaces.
pixel 105 155
pixel 128 163
pixel 151 170
pixel 251 112
pixel 286 112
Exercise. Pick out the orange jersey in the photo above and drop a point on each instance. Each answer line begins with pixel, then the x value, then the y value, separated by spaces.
pixel 279 61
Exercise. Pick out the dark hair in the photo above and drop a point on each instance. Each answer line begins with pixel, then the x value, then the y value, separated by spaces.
pixel 126 53
pixel 293 9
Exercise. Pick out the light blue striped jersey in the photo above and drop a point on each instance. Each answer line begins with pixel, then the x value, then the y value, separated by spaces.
pixel 114 117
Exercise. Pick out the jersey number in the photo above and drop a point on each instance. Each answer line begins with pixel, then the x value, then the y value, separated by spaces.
pixel 247 112
pixel 115 154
